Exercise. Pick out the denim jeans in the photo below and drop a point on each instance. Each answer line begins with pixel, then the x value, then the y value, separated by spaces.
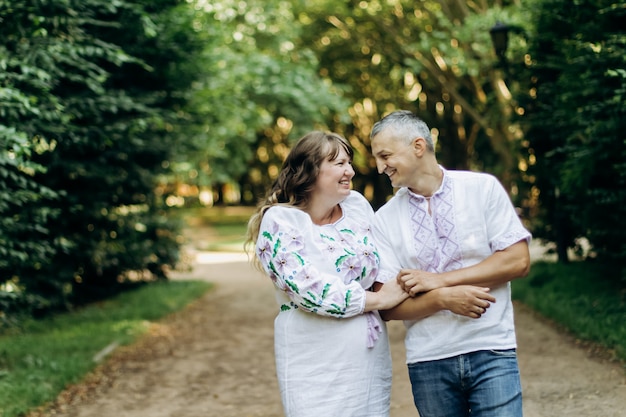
pixel 477 384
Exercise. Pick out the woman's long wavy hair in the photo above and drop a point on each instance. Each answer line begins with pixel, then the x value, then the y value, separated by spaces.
pixel 298 175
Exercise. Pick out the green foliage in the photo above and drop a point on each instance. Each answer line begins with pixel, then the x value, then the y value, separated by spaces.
pixel 580 298
pixel 432 57
pixel 41 358
pixel 24 203
pixel 90 95
pixel 257 91
pixel 576 124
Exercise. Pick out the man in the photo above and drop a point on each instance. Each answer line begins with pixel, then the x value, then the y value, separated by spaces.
pixel 457 243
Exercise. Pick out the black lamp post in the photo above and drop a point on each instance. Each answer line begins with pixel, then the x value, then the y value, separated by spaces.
pixel 500 38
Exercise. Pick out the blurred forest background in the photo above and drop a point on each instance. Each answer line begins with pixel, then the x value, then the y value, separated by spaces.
pixel 115 114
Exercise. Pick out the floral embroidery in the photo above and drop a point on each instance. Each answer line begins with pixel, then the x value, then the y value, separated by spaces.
pixel 349 266
pixel 283 254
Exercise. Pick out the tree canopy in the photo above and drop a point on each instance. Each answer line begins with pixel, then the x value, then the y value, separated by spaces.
pixel 110 109
pixel 258 91
pixel 434 58
pixel 575 124
pixel 88 94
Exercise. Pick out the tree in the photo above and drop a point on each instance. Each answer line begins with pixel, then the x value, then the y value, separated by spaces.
pixel 25 103
pixel 432 57
pixel 102 83
pixel 257 93
pixel 575 124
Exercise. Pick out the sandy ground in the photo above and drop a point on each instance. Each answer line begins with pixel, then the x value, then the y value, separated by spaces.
pixel 215 359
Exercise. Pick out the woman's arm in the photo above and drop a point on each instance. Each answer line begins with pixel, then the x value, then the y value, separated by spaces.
pixel 385 296
pixel 288 253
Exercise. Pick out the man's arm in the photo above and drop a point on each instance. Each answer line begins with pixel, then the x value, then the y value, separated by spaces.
pixel 465 300
pixel 501 267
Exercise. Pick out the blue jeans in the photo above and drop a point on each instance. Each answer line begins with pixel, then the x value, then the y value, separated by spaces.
pixel 477 384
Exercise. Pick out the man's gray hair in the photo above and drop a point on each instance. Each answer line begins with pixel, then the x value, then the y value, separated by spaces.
pixel 405 126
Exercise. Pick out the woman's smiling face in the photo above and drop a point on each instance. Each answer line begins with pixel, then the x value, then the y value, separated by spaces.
pixel 333 180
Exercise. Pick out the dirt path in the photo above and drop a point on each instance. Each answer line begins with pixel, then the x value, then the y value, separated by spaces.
pixel 215 359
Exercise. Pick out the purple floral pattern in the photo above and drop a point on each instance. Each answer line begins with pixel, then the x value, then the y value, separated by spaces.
pixel 284 253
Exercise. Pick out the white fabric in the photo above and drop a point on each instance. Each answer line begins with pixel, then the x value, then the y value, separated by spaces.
pixel 472 217
pixel 328 360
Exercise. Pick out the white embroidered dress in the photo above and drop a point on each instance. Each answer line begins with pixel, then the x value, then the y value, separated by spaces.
pixel 331 358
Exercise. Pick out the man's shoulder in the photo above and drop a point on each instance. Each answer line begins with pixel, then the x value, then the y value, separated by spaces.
pixel 471 177
pixel 468 175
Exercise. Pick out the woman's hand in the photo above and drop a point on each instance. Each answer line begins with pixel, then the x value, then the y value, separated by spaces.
pixel 385 296
pixel 415 281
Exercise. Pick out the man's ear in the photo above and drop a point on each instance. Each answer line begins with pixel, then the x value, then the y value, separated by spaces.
pixel 419 146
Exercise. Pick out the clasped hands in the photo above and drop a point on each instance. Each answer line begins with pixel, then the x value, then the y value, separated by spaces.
pixel 466 300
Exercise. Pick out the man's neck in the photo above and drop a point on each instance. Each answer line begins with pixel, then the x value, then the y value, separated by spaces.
pixel 429 182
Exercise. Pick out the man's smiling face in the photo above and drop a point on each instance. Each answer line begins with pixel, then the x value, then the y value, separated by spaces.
pixel 395 158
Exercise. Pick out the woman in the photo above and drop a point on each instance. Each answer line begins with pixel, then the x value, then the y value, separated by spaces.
pixel 313 239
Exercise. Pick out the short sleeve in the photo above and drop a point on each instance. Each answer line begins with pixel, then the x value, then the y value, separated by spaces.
pixel 504 226
pixel 290 256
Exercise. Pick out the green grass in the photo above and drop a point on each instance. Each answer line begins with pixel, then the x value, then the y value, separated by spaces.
pixel 215 215
pixel 38 360
pixel 577 297
pixel 228 237
pixel 219 228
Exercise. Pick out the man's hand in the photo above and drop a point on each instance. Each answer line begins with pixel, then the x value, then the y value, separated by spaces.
pixel 497 269
pixel 466 300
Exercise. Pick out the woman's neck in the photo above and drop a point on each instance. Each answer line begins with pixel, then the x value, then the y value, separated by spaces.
pixel 324 215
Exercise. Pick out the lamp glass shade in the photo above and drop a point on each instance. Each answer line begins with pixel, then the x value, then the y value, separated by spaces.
pixel 500 38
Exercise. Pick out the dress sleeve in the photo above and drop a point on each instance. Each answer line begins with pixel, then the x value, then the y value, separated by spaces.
pixel 362 218
pixel 291 258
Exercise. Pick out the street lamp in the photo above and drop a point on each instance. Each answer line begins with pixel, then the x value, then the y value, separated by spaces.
pixel 500 38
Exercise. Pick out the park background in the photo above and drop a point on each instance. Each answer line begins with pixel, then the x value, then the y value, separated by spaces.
pixel 122 123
